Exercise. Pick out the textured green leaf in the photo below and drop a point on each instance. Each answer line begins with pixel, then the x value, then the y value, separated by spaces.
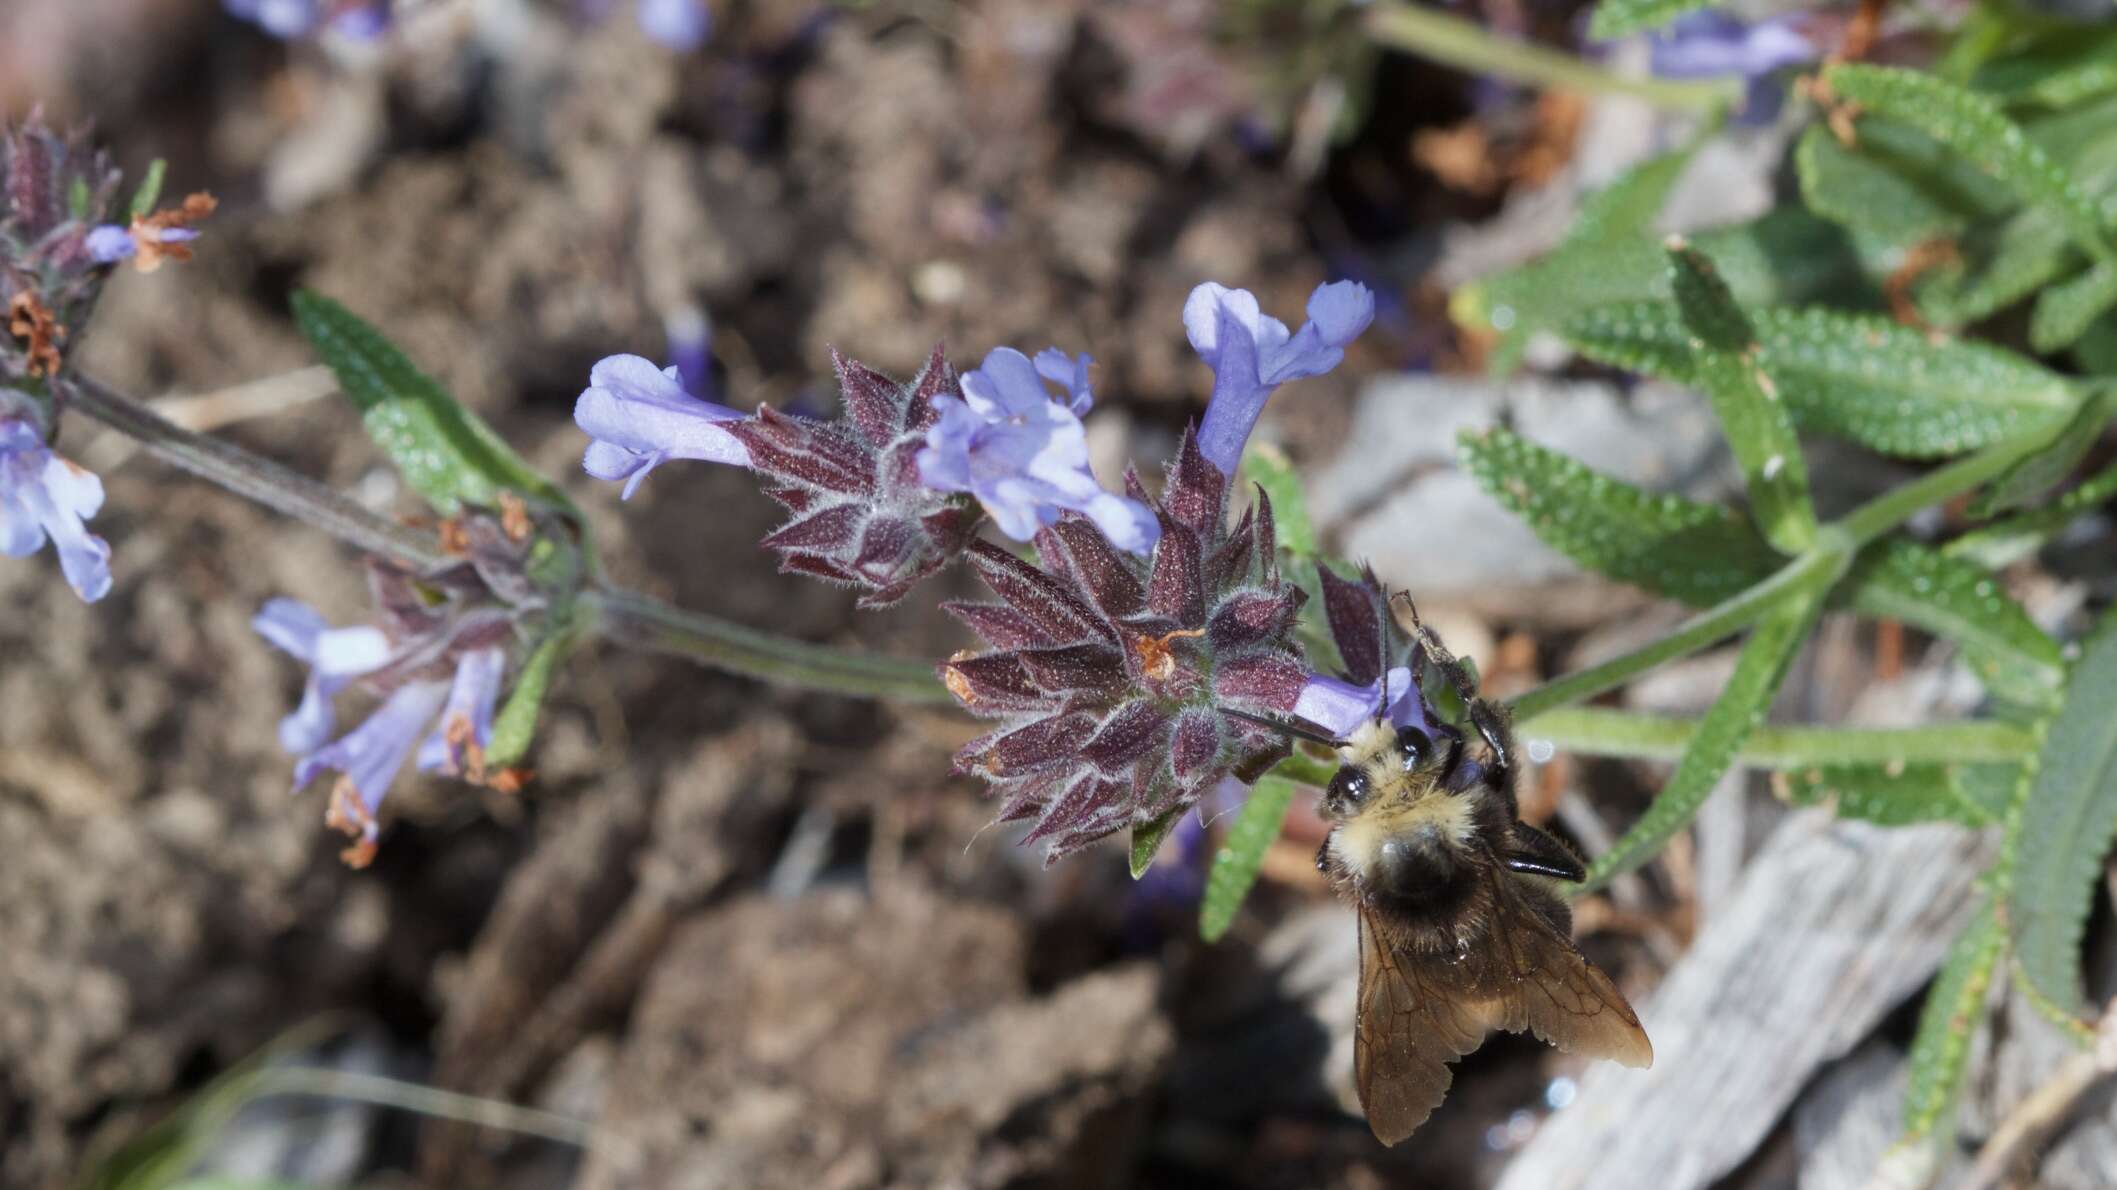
pixel 1698 553
pixel 2033 477
pixel 1241 853
pixel 1146 841
pixel 1622 18
pixel 1725 355
pixel 1895 181
pixel 2064 311
pixel 1894 795
pixel 1956 600
pixel 2057 68
pixel 149 191
pixel 1759 670
pixel 444 451
pixel 1855 376
pixel 2068 822
pixel 1787 255
pixel 2002 264
pixel 515 727
pixel 1974 126
pixel 1268 467
pixel 1955 1006
pixel 2096 352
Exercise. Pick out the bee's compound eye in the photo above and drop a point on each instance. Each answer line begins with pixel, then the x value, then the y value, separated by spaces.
pixel 1416 745
pixel 1348 787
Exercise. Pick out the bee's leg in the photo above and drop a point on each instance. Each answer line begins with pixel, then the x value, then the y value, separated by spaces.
pixel 1531 850
pixel 1487 718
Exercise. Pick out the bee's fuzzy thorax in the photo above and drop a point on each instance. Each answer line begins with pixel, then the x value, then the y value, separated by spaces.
pixel 1400 805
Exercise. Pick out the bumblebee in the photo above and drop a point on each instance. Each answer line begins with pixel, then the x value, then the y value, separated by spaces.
pixel 1462 926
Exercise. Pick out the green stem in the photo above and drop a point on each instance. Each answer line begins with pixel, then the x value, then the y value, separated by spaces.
pixel 1468 47
pixel 1819 566
pixel 428 1101
pixel 268 483
pixel 1938 486
pixel 1597 731
pixel 1824 562
pixel 643 623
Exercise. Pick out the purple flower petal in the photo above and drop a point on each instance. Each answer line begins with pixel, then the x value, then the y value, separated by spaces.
pixel 1024 455
pixel 1339 707
pixel 640 415
pixel 335 656
pixel 1251 353
pixel 681 25
pixel 109 244
pixel 458 744
pixel 44 496
pixel 368 759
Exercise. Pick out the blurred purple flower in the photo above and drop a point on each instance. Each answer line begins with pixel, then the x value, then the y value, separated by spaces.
pixel 369 757
pixel 1716 45
pixel 109 243
pixel 335 656
pixel 1023 454
pixel 1251 354
pixel 640 416
pixel 289 20
pixel 690 333
pixel 681 25
pixel 43 495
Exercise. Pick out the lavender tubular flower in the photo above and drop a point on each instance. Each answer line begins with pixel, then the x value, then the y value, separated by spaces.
pixel 368 759
pixel 43 495
pixel 335 657
pixel 681 25
pixel 1251 354
pixel 640 417
pixel 1713 44
pixel 1024 455
pixel 457 746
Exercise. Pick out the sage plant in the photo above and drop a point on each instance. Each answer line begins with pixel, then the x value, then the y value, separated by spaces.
pixel 1937 288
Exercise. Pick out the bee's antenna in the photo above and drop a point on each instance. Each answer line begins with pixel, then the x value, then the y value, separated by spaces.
pixel 1283 727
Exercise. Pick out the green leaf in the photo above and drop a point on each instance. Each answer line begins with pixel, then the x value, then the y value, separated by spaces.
pixel 1894 795
pixel 2068 822
pixel 515 727
pixel 1698 553
pixel 2034 476
pixel 2057 68
pixel 444 451
pixel 2003 264
pixel 1725 355
pixel 1146 840
pixel 1242 852
pixel 150 189
pixel 1895 181
pixel 1954 599
pixel 1855 376
pixel 1268 467
pixel 1758 671
pixel 1949 1021
pixel 1622 18
pixel 1974 126
pixel 2065 311
pixel 79 198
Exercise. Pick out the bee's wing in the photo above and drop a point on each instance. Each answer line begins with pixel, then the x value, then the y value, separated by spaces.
pixel 1553 991
pixel 1410 1026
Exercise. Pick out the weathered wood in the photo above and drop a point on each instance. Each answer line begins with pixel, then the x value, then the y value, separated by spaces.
pixel 1832 926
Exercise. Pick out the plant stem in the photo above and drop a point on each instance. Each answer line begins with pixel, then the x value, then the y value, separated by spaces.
pixel 1818 566
pixel 643 623
pixel 1824 562
pixel 260 479
pixel 1938 486
pixel 358 1087
pixel 1468 47
pixel 1600 732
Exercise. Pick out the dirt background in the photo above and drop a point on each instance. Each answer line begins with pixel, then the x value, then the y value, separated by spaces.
pixel 758 938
